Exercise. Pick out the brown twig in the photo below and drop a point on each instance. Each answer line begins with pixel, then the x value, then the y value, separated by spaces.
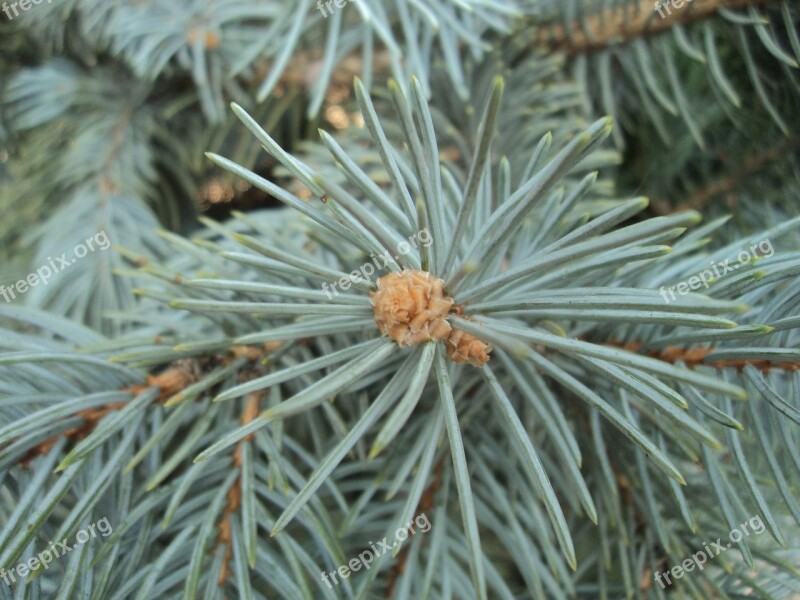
pixel 621 24
pixel 181 374
pixel 425 505
pixel 252 407
pixel 692 357
pixel 171 381
pixel 750 165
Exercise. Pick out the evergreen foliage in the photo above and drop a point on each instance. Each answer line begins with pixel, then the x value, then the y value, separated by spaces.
pixel 594 398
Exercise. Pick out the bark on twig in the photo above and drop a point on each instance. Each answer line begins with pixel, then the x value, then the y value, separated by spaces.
pixel 621 24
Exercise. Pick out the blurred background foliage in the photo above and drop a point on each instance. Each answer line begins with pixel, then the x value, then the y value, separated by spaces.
pixel 107 105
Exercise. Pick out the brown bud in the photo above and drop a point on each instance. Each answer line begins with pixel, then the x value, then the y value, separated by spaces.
pixel 464 347
pixel 410 307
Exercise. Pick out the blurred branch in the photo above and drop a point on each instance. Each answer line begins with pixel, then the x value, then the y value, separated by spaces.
pixel 621 24
pixel 750 165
